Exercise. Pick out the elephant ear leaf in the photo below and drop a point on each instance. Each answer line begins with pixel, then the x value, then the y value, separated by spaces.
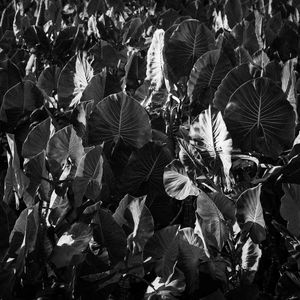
pixel 259 117
pixel 210 136
pixel 88 177
pixel 290 209
pixel 187 43
pixel 119 117
pixel 73 80
pixel 250 214
pixel 177 182
pixel 155 61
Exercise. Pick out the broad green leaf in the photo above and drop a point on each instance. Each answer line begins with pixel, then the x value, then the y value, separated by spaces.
pixel 155 61
pixel 48 79
pixel 177 182
pixel 20 100
pixel 191 253
pixel 143 173
pixel 290 209
pixel 117 117
pixel 72 80
pixel 37 139
pixel 187 43
pixel 230 83
pixel 69 247
pixel 211 221
pixel 205 77
pixel 163 246
pixel 250 214
pixel 259 117
pixel 62 145
pixel 143 225
pixel 211 137
pixel 88 177
pixel 9 76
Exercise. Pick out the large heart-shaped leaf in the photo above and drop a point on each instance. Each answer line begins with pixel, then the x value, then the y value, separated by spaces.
pixel 233 80
pixel 63 144
pixel 163 246
pixel 20 100
pixel 250 214
pixel 144 172
pixel 187 43
pixel 260 118
pixel 73 79
pixel 69 247
pixel 37 139
pixel 177 182
pixel 88 176
pixel 119 116
pixel 290 209
pixel 155 61
pixel 211 221
pixel 205 77
pixel 211 137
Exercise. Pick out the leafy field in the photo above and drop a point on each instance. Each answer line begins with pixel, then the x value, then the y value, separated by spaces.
pixel 149 149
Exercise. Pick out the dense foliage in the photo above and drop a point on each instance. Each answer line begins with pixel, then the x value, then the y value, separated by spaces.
pixel 149 149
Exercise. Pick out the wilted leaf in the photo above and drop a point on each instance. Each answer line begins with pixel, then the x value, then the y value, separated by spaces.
pixel 250 214
pixel 88 177
pixel 119 116
pixel 177 182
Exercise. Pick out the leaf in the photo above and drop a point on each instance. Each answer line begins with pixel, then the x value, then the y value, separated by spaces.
pixel 9 76
pixel 291 171
pixel 64 144
pixel 155 61
pixel 88 177
pixel 211 221
pixel 259 117
pixel 191 253
pixel 250 214
pixel 118 117
pixel 69 247
pixel 211 137
pixel 143 173
pixel 188 42
pixel 95 88
pixel 225 205
pixel 177 183
pixel 230 83
pixel 206 75
pixel 251 255
pixel 120 211
pixel 233 11
pixel 48 79
pixel 163 246
pixel 37 139
pixel 289 208
pixel 72 81
pixel 19 101
pixel 143 225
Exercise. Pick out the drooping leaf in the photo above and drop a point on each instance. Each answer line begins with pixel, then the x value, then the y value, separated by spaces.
pixel 251 254
pixel 250 214
pixel 211 221
pixel 230 83
pixel 211 137
pixel 72 80
pixel 289 208
pixel 155 61
pixel 177 182
pixel 206 75
pixel 19 101
pixel 188 42
pixel 120 211
pixel 119 117
pixel 163 246
pixel 143 173
pixel 191 253
pixel 37 139
pixel 143 225
pixel 88 177
pixel 64 144
pixel 259 117
pixel 69 247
